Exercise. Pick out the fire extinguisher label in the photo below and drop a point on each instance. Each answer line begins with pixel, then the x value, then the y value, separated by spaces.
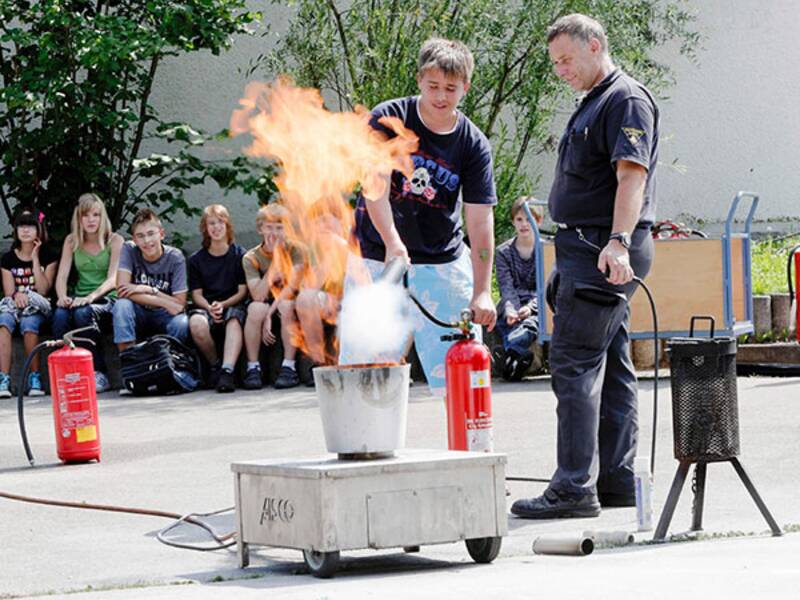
pixel 479 379
pixel 480 440
pixel 479 433
pixel 86 434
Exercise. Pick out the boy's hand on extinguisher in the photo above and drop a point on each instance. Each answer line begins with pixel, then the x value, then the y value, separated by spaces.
pixel 483 310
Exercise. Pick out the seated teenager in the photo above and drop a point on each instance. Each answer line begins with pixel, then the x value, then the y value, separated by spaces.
pixel 151 285
pixel 517 314
pixel 216 280
pixel 93 249
pixel 268 268
pixel 28 271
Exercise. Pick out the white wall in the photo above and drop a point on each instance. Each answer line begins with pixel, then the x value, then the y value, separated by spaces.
pixel 731 120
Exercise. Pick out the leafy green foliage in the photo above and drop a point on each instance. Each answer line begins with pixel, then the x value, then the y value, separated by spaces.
pixel 75 83
pixel 365 51
pixel 769 262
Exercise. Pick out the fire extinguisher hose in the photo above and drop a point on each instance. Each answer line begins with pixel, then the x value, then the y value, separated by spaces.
pixel 223 540
pixel 21 393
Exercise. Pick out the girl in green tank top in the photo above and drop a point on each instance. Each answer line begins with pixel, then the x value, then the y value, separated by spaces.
pixel 93 249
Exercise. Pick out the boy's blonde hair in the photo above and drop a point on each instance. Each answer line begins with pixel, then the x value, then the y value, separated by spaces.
pixel 536 210
pixel 87 202
pixel 272 213
pixel 219 211
pixel 452 57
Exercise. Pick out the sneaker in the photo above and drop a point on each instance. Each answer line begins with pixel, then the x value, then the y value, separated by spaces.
pixel 252 379
pixel 555 505
pixel 225 383
pixel 521 367
pixel 213 376
pixel 310 380
pixel 123 391
pixel 617 500
pixel 5 385
pixel 510 365
pixel 101 383
pixel 35 384
pixel 287 378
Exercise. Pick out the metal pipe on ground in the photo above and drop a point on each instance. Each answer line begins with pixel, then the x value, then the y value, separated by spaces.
pixel 563 544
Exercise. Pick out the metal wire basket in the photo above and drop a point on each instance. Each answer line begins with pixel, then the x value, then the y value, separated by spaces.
pixel 705 412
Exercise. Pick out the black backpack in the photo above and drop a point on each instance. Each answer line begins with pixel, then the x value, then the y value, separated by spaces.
pixel 160 365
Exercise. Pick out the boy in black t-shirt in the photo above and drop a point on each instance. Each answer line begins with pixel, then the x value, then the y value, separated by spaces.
pixel 216 280
pixel 419 218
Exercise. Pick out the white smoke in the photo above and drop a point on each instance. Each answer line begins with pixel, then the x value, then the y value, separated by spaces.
pixel 375 323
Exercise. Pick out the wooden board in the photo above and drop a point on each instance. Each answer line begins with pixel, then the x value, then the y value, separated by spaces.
pixel 686 280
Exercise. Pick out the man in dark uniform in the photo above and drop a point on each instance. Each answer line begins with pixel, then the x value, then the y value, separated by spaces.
pixel 603 200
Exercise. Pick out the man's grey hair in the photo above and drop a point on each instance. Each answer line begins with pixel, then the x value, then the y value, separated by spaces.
pixel 578 27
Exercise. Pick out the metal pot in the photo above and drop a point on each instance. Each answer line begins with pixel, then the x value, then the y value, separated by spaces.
pixel 363 409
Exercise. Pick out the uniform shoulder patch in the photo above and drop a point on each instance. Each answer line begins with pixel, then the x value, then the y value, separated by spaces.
pixel 633 134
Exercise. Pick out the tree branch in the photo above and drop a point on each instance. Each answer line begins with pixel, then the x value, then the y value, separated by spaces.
pixel 6 205
pixel 343 38
pixel 137 140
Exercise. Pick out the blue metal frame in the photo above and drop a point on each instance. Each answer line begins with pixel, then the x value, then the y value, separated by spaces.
pixel 732 327
pixel 538 251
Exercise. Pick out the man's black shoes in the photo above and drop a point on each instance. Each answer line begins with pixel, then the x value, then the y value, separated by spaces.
pixel 617 500
pixel 556 505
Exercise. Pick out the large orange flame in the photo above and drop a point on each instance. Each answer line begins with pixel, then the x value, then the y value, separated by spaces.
pixel 322 156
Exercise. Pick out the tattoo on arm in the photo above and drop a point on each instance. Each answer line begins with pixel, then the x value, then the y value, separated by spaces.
pixel 483 254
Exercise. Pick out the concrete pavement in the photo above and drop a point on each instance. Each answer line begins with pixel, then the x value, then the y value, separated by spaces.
pixel 174 454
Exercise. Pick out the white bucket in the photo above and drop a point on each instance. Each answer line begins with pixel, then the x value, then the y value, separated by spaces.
pixel 363 409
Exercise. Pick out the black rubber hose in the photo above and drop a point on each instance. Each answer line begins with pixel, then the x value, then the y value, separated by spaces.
pixel 21 394
pixel 430 316
pixel 656 345
pixel 789 271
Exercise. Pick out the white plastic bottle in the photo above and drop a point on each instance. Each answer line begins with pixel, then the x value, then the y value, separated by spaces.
pixel 643 481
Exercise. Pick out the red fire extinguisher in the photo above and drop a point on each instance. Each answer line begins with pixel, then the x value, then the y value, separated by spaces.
pixel 469 392
pixel 74 405
pixel 72 387
pixel 794 253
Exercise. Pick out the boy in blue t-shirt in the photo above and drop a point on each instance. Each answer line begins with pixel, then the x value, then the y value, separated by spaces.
pixel 151 285
pixel 517 311
pixel 419 218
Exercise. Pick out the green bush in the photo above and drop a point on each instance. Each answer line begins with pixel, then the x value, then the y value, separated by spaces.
pixel 75 83
pixel 769 261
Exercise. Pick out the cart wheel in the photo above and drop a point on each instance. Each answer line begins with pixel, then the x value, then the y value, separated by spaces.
pixel 484 550
pixel 321 564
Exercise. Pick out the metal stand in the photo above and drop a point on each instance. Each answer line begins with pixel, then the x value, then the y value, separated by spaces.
pixel 699 496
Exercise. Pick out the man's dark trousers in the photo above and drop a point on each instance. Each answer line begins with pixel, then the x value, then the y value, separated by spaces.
pixel 591 370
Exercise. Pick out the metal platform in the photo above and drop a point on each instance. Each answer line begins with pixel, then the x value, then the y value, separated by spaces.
pixel 325 505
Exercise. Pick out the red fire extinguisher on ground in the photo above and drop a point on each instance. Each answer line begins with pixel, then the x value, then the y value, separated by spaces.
pixel 468 366
pixel 72 387
pixel 794 257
